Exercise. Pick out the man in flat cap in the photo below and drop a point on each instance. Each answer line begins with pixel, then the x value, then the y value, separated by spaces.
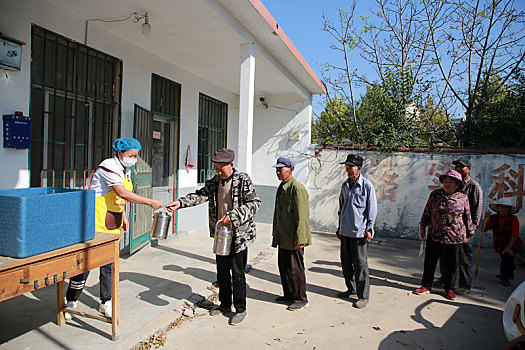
pixel 291 232
pixel 475 198
pixel 232 199
pixel 357 214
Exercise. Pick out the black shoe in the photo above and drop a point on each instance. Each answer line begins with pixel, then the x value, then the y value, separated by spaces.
pixel 283 300
pixel 220 310
pixel 346 294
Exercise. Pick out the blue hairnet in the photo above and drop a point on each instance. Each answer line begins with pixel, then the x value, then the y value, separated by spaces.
pixel 126 143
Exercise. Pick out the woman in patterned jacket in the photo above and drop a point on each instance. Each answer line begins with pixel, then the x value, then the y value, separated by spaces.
pixel 447 216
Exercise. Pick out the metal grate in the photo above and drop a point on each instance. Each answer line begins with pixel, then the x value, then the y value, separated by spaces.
pixel 213 118
pixel 165 96
pixel 75 94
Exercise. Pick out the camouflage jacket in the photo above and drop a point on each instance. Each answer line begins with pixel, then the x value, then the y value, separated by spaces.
pixel 245 205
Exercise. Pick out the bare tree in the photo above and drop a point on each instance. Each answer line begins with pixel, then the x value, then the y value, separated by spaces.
pixel 449 46
pixel 469 41
pixel 340 78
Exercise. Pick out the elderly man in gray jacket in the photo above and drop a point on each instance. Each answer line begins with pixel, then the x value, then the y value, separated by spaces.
pixel 232 198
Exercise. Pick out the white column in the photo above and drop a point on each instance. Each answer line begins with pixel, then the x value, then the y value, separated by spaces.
pixel 246 91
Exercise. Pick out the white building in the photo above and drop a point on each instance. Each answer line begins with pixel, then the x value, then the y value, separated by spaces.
pixel 89 74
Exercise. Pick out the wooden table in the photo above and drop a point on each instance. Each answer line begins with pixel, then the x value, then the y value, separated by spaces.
pixel 18 276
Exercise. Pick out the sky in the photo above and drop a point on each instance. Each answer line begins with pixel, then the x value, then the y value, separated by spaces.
pixel 301 21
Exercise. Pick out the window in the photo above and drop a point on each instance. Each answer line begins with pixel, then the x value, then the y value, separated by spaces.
pixel 75 94
pixel 165 102
pixel 213 116
pixel 165 96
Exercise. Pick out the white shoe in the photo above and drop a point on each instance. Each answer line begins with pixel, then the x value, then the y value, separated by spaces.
pixel 70 305
pixel 106 308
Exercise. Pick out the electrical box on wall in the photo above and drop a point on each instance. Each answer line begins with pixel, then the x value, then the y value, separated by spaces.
pixel 10 53
pixel 17 131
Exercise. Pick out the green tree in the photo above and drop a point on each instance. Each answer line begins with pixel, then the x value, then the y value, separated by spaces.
pixel 501 115
pixel 445 44
pixel 389 111
pixel 333 124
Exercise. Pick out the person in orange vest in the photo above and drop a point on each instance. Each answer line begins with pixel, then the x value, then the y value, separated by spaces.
pixel 113 189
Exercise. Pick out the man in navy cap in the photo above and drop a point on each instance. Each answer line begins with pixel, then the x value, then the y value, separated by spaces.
pixel 291 232
pixel 357 215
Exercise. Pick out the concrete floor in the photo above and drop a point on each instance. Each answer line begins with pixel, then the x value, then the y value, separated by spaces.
pixel 157 283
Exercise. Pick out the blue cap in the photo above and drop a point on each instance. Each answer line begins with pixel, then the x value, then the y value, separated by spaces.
pixel 126 144
pixel 284 161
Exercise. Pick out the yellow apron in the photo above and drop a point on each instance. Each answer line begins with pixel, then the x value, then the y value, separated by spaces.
pixel 109 210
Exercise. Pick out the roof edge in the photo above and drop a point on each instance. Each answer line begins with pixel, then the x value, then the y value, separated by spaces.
pixel 263 11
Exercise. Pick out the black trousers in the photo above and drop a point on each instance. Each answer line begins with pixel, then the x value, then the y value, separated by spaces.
pixel 507 267
pixel 449 255
pixel 236 263
pixel 465 266
pixel 293 278
pixel 77 283
pixel 354 261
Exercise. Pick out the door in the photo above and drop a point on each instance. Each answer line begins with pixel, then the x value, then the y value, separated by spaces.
pixel 142 215
pixel 165 149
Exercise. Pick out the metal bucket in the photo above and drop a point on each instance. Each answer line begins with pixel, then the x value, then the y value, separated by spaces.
pixel 161 225
pixel 223 240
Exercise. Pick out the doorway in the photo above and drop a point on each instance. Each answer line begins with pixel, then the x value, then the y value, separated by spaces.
pixel 164 157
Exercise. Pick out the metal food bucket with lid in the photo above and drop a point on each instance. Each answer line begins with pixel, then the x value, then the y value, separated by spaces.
pixel 223 240
pixel 161 224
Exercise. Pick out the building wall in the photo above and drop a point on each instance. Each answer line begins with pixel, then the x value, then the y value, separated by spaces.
pixel 285 114
pixel 271 125
pixel 403 182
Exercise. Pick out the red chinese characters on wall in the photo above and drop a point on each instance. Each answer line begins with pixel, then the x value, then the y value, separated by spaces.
pixel 384 178
pixel 508 183
pixel 436 170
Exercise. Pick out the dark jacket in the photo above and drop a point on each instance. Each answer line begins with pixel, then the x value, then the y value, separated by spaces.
pixel 245 205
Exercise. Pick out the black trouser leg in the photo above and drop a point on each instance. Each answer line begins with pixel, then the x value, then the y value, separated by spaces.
pixel 465 265
pixel 432 255
pixel 283 261
pixel 291 269
pixel 347 265
pixel 507 267
pixel 236 262
pixel 451 257
pixel 105 283
pixel 358 251
pixel 76 285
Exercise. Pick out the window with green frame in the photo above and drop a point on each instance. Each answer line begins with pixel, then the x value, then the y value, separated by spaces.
pixel 213 122
pixel 75 108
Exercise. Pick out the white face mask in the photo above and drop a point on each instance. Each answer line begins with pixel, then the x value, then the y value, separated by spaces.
pixel 128 162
